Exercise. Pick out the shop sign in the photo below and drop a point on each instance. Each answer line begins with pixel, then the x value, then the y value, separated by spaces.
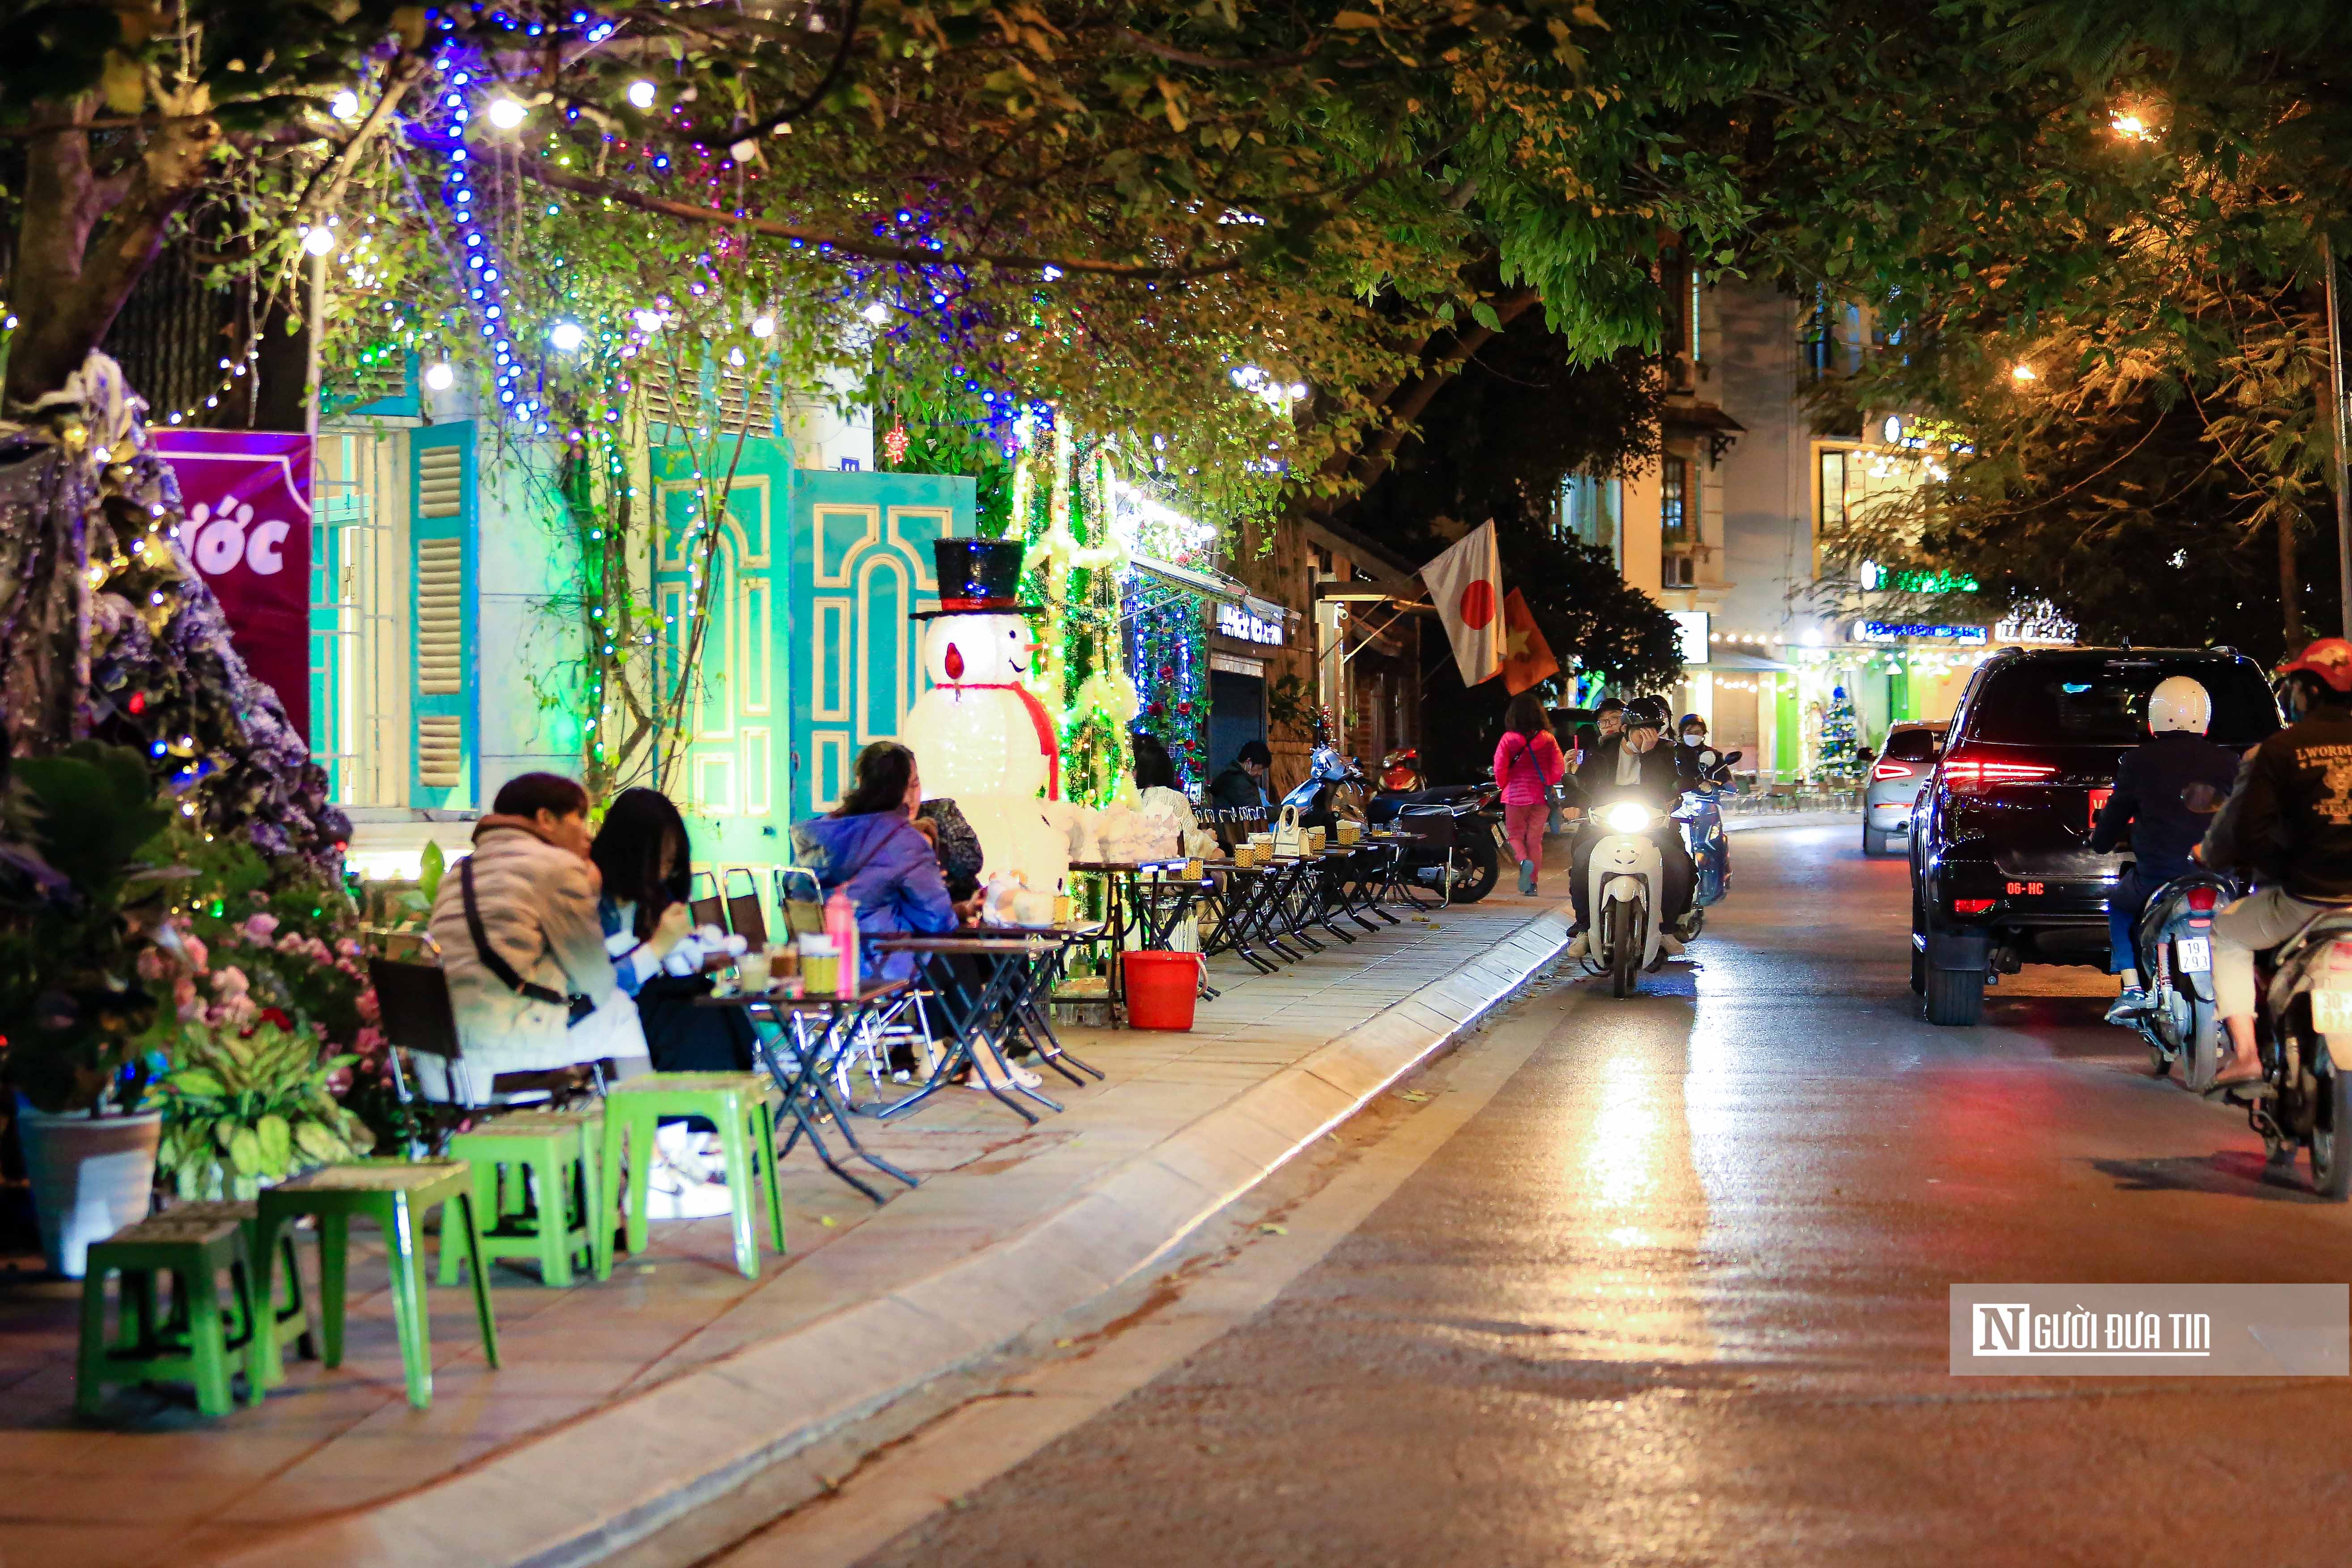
pixel 247 495
pixel 2040 624
pixel 1916 631
pixel 1239 622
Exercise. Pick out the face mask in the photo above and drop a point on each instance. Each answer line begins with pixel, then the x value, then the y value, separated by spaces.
pixel 1693 738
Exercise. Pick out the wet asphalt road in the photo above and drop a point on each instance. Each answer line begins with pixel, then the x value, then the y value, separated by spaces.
pixel 1678 1295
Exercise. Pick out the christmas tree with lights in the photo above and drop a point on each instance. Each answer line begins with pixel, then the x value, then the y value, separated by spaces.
pixel 1841 754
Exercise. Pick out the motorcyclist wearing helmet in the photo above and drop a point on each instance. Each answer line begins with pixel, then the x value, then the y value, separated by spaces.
pixel 2289 821
pixel 2160 808
pixel 1633 766
pixel 1692 741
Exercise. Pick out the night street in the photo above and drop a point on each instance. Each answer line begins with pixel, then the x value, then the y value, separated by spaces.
pixel 1675 1294
pixel 1473 783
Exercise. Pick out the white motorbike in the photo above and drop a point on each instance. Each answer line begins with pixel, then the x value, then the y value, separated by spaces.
pixel 1626 876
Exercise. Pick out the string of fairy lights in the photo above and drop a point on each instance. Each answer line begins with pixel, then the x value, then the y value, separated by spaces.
pixel 1068 502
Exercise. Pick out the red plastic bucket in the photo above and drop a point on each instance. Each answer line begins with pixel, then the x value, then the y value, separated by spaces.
pixel 1160 989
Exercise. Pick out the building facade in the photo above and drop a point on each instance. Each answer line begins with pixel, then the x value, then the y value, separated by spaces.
pixel 1734 530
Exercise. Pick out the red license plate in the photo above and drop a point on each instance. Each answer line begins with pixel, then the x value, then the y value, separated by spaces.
pixel 2098 804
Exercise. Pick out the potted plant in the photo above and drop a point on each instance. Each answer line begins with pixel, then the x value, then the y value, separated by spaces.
pixel 242 1108
pixel 79 903
pixel 265 979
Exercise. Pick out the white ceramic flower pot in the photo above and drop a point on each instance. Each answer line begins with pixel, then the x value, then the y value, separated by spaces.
pixel 91 1176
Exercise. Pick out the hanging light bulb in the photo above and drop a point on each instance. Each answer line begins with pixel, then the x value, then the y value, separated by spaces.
pixel 641 94
pixel 320 240
pixel 646 322
pixel 438 376
pixel 505 113
pixel 763 326
pixel 345 105
pixel 567 336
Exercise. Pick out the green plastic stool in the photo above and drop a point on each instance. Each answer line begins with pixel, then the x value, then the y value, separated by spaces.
pixel 737 1104
pixel 291 1317
pixel 193 1344
pixel 392 1193
pixel 537 1175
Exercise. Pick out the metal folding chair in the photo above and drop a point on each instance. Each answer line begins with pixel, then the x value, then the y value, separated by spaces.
pixel 415 1012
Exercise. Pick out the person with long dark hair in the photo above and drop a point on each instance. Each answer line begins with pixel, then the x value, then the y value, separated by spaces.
pixel 644 857
pixel 1527 763
pixel 868 847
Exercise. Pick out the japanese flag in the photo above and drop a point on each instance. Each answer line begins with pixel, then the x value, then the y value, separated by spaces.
pixel 1467 585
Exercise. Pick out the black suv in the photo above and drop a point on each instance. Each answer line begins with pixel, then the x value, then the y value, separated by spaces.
pixel 2002 868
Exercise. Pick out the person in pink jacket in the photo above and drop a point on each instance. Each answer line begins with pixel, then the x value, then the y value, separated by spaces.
pixel 1527 763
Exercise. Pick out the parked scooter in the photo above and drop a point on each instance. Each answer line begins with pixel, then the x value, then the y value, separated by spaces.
pixel 2305 1026
pixel 1627 875
pixel 1400 771
pixel 1702 820
pixel 1460 825
pixel 2174 944
pixel 1334 787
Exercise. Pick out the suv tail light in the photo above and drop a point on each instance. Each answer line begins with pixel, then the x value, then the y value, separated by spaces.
pixel 1965 774
pixel 1893 771
pixel 1971 906
pixel 2202 899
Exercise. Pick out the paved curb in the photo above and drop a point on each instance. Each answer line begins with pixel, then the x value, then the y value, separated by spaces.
pixel 583 1491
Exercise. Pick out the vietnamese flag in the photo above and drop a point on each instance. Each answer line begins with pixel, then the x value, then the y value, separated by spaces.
pixel 1527 658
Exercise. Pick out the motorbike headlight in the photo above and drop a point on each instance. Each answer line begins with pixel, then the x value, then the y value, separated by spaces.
pixel 1626 816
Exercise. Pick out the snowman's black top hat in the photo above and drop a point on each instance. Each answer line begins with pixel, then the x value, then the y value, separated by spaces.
pixel 978 577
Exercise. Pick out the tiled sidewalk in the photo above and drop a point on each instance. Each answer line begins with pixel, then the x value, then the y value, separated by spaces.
pixel 155 1483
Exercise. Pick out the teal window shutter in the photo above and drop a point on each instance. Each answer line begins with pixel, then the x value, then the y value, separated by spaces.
pixel 445 722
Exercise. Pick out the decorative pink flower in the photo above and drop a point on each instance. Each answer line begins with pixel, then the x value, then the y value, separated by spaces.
pixel 185 1001
pixel 339 1082
pixel 290 942
pixel 193 948
pixel 153 964
pixel 349 949
pixel 259 929
pixel 236 1012
pixel 369 1043
pixel 231 982
pixel 368 1012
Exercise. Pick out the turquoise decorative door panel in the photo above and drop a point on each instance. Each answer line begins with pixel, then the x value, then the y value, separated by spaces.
pixel 728 783
pixel 860 568
pixel 807 648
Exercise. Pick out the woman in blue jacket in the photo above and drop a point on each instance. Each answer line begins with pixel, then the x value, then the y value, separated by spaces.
pixel 870 848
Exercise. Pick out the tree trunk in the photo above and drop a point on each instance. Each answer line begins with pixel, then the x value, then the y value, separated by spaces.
pixel 85 240
pixel 2290 585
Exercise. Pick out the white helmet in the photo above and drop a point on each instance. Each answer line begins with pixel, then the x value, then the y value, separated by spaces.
pixel 2179 702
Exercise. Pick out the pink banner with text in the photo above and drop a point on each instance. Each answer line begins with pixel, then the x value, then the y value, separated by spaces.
pixel 247 498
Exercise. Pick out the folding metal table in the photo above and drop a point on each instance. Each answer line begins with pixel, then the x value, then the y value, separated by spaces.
pixel 803 1078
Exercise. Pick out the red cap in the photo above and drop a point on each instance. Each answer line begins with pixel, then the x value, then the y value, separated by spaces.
pixel 2330 659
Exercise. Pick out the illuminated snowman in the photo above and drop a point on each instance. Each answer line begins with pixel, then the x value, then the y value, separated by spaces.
pixel 979 735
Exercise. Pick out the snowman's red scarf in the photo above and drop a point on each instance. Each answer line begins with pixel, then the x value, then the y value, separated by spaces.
pixel 1047 742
